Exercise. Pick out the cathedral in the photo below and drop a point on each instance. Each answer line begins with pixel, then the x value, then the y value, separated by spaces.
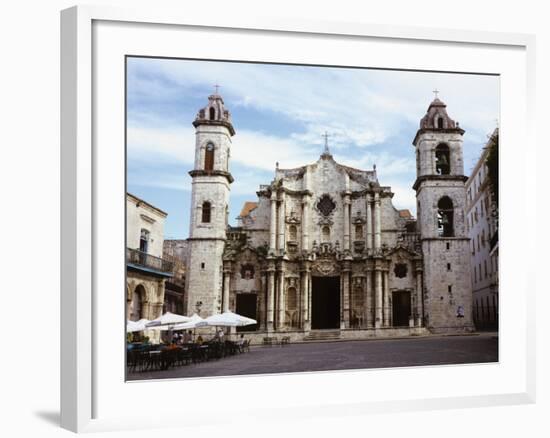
pixel 323 249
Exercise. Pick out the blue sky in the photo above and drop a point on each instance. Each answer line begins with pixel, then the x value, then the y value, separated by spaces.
pixel 280 113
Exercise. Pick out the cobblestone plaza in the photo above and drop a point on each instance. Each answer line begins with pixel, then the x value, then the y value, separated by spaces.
pixel 342 355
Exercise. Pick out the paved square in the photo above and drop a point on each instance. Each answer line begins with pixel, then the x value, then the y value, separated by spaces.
pixel 342 355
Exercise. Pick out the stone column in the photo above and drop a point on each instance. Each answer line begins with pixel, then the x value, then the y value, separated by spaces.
pixel 377 230
pixel 412 304
pixel 146 311
pixel 309 283
pixel 281 300
pixel 369 308
pixel 387 322
pixel 270 298
pixel 345 321
pixel 347 204
pixel 273 224
pixel 419 298
pixel 378 297
pixel 369 225
pixel 305 223
pixel 226 286
pixel 305 299
pixel 281 231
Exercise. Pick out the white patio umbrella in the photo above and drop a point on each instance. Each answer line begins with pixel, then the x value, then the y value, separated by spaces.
pixel 167 321
pixel 136 326
pixel 194 322
pixel 229 319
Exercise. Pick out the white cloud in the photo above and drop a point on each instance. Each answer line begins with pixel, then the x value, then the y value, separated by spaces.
pixel 161 144
pixel 170 143
pixel 360 107
pixel 404 195
pixel 363 111
pixel 174 181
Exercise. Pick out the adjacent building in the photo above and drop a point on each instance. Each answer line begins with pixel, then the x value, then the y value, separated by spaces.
pixel 176 252
pixel 146 270
pixel 323 247
pixel 482 225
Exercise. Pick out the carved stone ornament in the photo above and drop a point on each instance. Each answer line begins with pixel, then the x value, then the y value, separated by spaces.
pixel 400 270
pixel 292 246
pixel 292 282
pixel 326 205
pixel 324 268
pixel 292 219
pixel 358 219
pixel 359 246
pixel 247 271
pixel 325 221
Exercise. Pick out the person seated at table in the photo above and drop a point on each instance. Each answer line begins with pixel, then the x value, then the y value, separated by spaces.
pixel 218 336
pixel 175 338
pixel 187 337
pixel 199 340
pixel 240 343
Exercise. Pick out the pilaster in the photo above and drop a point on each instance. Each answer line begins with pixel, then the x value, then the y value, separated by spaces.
pixel 270 296
pixel 378 296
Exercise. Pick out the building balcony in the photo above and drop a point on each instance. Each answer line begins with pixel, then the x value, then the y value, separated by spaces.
pixel 141 261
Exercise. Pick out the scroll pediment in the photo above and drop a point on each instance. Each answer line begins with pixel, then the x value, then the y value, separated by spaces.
pixel 402 251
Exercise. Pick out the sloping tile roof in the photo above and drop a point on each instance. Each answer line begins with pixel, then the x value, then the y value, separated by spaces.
pixel 247 208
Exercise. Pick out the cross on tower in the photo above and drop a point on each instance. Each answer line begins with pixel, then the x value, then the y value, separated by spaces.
pixel 326 136
pixel 217 88
pixel 436 92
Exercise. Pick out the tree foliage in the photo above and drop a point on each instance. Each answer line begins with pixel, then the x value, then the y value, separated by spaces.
pixel 492 165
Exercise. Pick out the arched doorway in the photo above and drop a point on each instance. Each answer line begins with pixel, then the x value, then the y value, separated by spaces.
pixel 136 304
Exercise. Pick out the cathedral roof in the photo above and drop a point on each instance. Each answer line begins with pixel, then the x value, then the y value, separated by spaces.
pixel 359 175
pixel 214 113
pixel 437 119
pixel 406 214
pixel 437 111
pixel 367 175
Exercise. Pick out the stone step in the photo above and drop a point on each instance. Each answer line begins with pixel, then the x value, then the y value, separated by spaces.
pixel 322 335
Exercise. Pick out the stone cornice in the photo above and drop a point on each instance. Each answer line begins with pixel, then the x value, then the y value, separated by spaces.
pixel 296 192
pixel 224 123
pixel 201 172
pixel 445 238
pixel 437 131
pixel 141 203
pixel 267 192
pixel 421 179
pixel 207 238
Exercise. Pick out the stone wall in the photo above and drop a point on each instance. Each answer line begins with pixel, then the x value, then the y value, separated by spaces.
pixel 447 288
pixel 204 277
pixel 141 215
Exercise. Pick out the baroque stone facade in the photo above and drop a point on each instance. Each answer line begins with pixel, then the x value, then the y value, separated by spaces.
pixel 323 247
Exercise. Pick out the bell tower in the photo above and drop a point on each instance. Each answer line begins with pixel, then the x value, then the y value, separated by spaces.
pixel 211 181
pixel 441 199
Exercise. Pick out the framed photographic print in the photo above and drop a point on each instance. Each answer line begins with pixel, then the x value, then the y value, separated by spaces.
pixel 251 208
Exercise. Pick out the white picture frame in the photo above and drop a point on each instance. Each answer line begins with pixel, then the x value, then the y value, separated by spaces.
pixel 85 368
